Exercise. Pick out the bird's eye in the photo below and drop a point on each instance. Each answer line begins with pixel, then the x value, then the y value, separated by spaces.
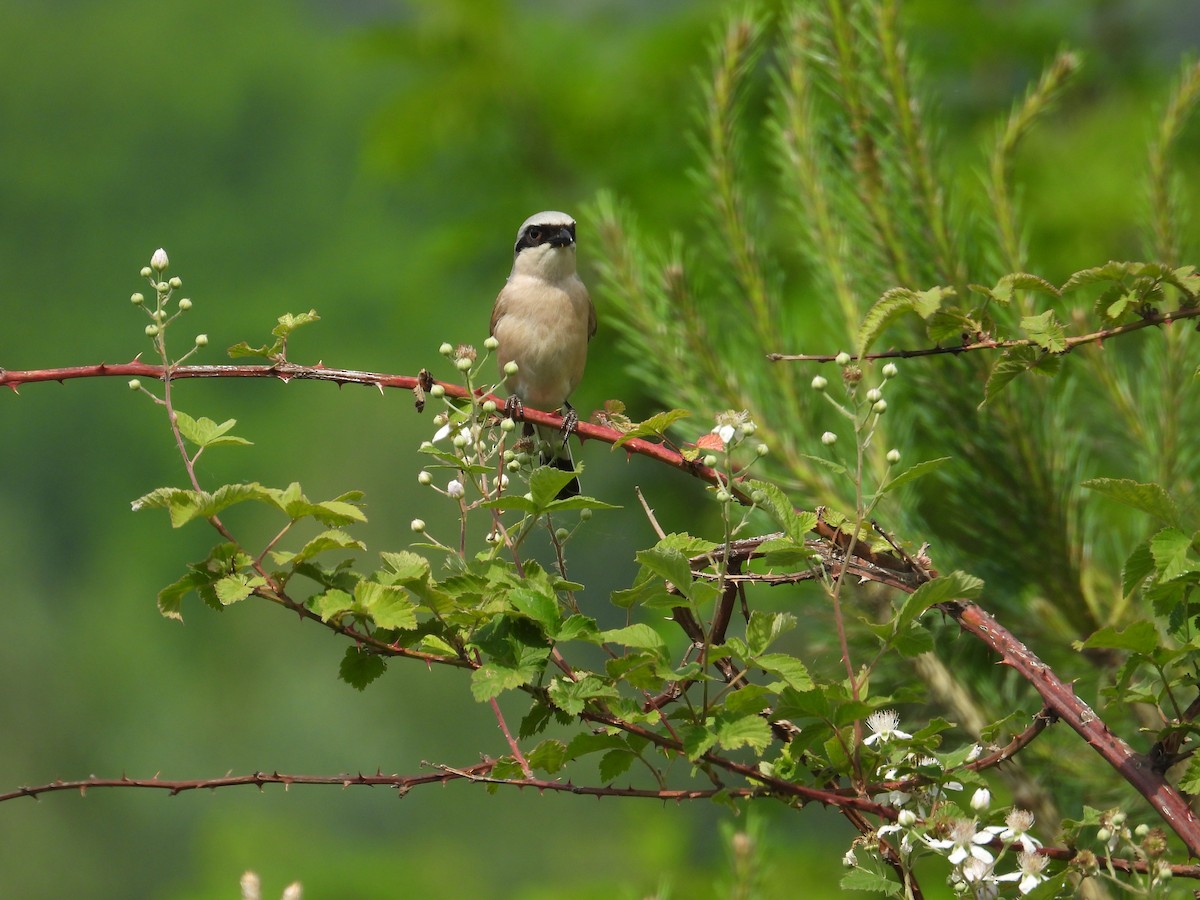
pixel 535 234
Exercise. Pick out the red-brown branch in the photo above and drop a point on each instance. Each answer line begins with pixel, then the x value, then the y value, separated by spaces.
pixel 1096 337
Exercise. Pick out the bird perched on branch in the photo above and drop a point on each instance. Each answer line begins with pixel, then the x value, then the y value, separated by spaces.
pixel 543 320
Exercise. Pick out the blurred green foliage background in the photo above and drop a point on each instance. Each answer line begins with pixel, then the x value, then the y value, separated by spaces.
pixel 372 160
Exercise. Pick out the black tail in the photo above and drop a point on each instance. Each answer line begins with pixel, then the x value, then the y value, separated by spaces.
pixel 566 464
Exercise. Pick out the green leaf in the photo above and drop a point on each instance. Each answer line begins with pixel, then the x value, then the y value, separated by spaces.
pixel 205 432
pixel 1171 549
pixel 746 731
pixel 387 605
pixel 796 525
pixel 763 629
pixel 406 566
pixel 955 586
pixel 860 879
pixel 359 668
pixel 326 540
pixel 790 669
pixel 579 502
pixel 893 304
pixel 331 604
pixel 170 598
pixel 1138 567
pixel 233 588
pixel 913 473
pixel 830 464
pixel 669 564
pixel 337 512
pixel 1148 497
pixel 572 696
pixel 536 605
pixel 1022 281
pixel 1190 782
pixel 289 322
pixel 697 740
pixel 639 636
pixel 1045 331
pixel 492 679
pixel 655 426
pixel 614 764
pixel 1015 361
pixel 1138 637
pixel 546 481
pixel 549 756
pixel 578 628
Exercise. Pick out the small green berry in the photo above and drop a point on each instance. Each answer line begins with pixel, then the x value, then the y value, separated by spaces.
pixel 758 498
pixel 507 424
pixel 585 515
pixel 513 465
pixel 561 534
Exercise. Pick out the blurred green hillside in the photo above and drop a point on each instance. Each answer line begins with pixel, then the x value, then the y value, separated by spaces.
pixel 372 160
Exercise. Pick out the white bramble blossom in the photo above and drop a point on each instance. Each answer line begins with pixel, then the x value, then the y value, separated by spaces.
pixel 1018 823
pixel 964 842
pixel 732 425
pixel 1029 875
pixel 884 725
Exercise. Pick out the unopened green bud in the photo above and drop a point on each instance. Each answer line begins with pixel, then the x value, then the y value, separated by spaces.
pixel 561 534
pixel 134 384
pixel 874 394
pixel 890 371
pixel 513 465
pixel 417 525
pixel 893 456
pixel 146 272
pixel 723 496
pixel 842 359
pixel 151 330
pixel 159 315
pixel 511 367
pixel 202 340
pixel 762 450
pixel 709 460
pixel 880 407
pixel 159 261
pixel 462 364
pixel 748 428
pixel 758 498
pixel 507 424
pixel 137 299
pixel 829 439
pixel 185 304
pixel 489 406
pixel 161 287
pixel 1103 835
pixel 446 349
pixel 176 282
pixel 437 391
pixel 585 515
pixel 491 343
pixel 819 382
pixel 424 477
